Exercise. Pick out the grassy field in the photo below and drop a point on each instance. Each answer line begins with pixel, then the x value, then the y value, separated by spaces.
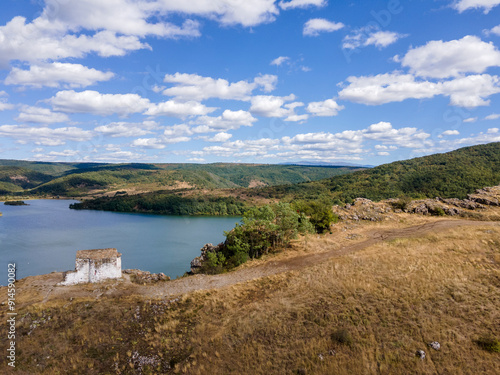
pixel 362 312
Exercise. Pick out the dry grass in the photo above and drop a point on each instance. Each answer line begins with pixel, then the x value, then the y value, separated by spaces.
pixel 371 309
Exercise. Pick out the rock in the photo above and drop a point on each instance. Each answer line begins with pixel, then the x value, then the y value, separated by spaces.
pixel 197 262
pixel 486 200
pixel 435 345
pixel 421 209
pixel 420 354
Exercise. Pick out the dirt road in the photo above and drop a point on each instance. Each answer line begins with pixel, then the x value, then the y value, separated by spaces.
pixel 46 288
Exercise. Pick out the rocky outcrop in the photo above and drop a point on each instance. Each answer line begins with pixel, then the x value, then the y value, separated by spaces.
pixel 365 209
pixel 146 277
pixel 197 262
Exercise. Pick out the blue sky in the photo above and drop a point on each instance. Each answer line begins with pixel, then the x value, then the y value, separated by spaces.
pixel 257 81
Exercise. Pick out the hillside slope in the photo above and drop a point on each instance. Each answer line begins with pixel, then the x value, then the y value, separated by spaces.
pixel 73 179
pixel 452 174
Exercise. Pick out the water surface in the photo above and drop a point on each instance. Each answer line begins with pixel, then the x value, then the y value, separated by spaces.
pixel 44 237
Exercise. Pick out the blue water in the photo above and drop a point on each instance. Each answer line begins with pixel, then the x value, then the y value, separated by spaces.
pixel 44 237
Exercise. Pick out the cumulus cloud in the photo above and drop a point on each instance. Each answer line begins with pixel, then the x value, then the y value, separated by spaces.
pixel 493 116
pixel 173 108
pixel 229 120
pixel 220 137
pixel 157 143
pixel 470 119
pixel 469 92
pixel 301 4
pixel 196 87
pixel 279 60
pixel 127 129
pixel 486 5
pixel 368 36
pixel 40 115
pixel 45 39
pixel 495 30
pixel 325 108
pixel 274 106
pixel 3 102
pixel 55 75
pixel 119 16
pixel 438 59
pixel 44 135
pixel 451 132
pixel 315 26
pixel 347 145
pixel 94 102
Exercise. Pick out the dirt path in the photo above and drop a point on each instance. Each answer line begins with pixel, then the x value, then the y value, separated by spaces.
pixel 205 282
pixel 43 288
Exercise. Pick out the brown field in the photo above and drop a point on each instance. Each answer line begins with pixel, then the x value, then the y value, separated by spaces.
pixel 361 300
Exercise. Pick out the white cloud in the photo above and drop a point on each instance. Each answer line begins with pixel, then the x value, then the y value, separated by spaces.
pixel 273 106
pixel 302 4
pixel 157 143
pixel 120 16
pixel 127 129
pixel 470 119
pixel 496 30
pixel 347 145
pixel 45 135
pixel 177 130
pixel 451 132
pixel 493 131
pixel 40 115
pixel 4 105
pixel 326 108
pixel 246 148
pixel 220 137
pixel 57 74
pixel 383 153
pixel 227 12
pixel 315 26
pixel 172 108
pixel 493 116
pixel 99 104
pixel 438 59
pixel 367 36
pixel 45 39
pixel 469 92
pixel 280 60
pixel 229 120
pixel 486 5
pixel 195 87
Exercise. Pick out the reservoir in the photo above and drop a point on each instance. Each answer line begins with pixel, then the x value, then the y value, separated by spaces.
pixel 44 237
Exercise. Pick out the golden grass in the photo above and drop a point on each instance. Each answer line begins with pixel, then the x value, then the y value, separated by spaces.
pixel 390 299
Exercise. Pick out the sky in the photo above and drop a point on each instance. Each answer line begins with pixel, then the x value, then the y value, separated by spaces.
pixel 251 81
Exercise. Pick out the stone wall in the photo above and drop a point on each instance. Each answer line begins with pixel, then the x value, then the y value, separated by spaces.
pixel 93 266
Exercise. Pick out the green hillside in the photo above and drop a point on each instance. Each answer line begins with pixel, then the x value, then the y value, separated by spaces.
pixel 73 179
pixel 452 174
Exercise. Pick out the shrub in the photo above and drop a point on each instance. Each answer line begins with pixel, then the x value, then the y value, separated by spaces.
pixel 402 203
pixel 342 336
pixel 489 344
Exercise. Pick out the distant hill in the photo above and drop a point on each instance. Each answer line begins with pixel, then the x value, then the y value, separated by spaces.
pixel 70 179
pixel 452 174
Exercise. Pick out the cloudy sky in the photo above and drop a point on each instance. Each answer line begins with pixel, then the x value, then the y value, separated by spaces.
pixel 265 81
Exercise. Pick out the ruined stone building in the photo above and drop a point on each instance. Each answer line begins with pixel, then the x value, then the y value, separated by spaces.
pixel 93 266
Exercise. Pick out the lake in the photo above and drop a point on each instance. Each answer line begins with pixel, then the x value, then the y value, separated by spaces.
pixel 44 237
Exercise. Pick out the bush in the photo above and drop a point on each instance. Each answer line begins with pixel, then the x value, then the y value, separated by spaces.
pixel 437 211
pixel 342 336
pixel 402 203
pixel 489 344
pixel 261 230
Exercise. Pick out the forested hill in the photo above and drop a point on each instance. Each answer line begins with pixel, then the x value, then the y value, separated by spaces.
pixel 72 179
pixel 452 174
